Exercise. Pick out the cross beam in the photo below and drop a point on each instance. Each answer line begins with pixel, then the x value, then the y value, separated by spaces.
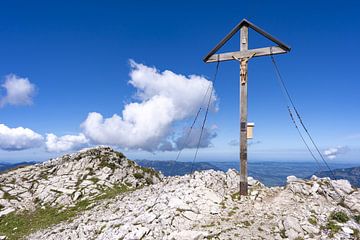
pixel 243 56
pixel 259 52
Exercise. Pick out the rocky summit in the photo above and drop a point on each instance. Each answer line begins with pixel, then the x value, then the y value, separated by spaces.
pixel 65 180
pixel 99 194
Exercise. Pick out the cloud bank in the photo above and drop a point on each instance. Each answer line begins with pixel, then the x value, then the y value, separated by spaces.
pixel 193 140
pixel 15 139
pixel 332 153
pixel 163 98
pixel 18 91
pixel 65 143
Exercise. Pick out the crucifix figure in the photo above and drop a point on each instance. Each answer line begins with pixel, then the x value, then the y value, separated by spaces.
pixel 243 56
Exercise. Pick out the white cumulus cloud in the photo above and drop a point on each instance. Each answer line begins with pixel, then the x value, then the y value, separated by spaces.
pixel 18 91
pixel 14 139
pixel 192 140
pixel 333 152
pixel 65 143
pixel 162 99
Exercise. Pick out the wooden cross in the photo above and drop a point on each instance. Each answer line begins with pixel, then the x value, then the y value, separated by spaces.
pixel 243 56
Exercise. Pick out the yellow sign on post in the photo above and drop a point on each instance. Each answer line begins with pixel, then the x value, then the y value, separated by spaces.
pixel 250 130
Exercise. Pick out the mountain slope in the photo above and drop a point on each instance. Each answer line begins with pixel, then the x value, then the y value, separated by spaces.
pixel 70 178
pixel 100 194
pixel 206 206
pixel 350 174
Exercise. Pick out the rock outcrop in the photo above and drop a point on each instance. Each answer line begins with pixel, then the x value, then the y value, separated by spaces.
pixel 70 178
pixel 203 205
pixel 206 205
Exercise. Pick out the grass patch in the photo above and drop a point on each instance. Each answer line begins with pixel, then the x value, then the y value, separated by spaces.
pixel 112 192
pixel 17 225
pixel 231 213
pixel 312 220
pixel 208 225
pixel 339 217
pixel 332 226
pixel 94 180
pixel 150 171
pixel 120 155
pixel 104 162
pixel 235 196
pixel 138 175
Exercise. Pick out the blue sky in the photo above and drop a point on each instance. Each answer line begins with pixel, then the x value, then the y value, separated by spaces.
pixel 75 56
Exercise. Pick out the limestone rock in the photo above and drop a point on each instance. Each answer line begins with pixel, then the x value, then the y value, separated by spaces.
pixel 203 205
pixel 65 180
pixel 188 235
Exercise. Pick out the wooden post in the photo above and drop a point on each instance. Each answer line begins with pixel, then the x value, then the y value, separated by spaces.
pixel 243 112
pixel 243 57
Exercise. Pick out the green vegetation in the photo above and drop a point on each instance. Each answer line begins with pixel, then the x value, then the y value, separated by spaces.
pixel 94 180
pixel 209 225
pixel 128 184
pixel 130 163
pixel 332 226
pixel 44 175
pixel 120 155
pixel 235 196
pixel 138 175
pixel 231 213
pixel 20 224
pixel 312 220
pixel 150 171
pixel 104 162
pixel 339 217
pixel 112 192
pixel 8 196
pixel 91 171
pixel 247 223
pixel 149 181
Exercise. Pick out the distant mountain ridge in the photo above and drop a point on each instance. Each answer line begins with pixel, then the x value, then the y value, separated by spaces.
pixel 350 174
pixel 270 173
pixel 6 166
pixel 172 168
